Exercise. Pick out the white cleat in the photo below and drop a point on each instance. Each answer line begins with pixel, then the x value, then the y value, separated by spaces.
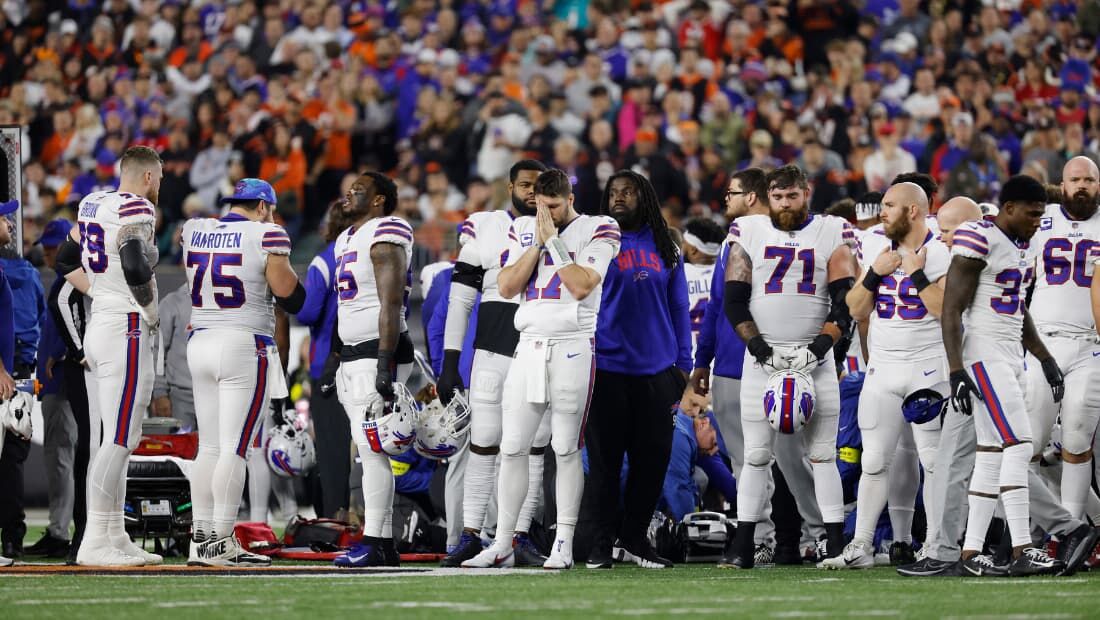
pixel 492 557
pixel 224 552
pixel 6 561
pixel 855 555
pixel 561 558
pixel 128 547
pixel 105 554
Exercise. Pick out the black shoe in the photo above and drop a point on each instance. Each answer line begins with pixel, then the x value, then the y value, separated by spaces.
pixel 926 567
pixel 468 548
pixel 730 559
pixel 526 553
pixel 1035 561
pixel 600 556
pixel 390 556
pixel 1076 548
pixel 645 556
pixel 981 566
pixel 786 555
pixel 901 553
pixel 49 546
pixel 12 550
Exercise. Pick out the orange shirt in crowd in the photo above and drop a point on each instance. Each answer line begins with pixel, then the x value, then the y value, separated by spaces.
pixel 179 55
pixel 54 148
pixel 286 174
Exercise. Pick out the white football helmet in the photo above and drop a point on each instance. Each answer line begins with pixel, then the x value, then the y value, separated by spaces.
pixel 442 431
pixel 289 451
pixel 789 400
pixel 394 431
pixel 15 414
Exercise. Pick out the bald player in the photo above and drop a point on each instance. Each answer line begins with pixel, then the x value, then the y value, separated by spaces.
pixel 901 296
pixel 953 213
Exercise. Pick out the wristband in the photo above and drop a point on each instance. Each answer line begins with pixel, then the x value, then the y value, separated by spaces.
pixel 758 348
pixel 920 281
pixel 871 281
pixel 559 254
pixel 385 361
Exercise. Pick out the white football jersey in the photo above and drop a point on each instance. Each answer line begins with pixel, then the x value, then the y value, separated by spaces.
pixel 356 288
pixel 1061 248
pixel 901 328
pixel 698 281
pixel 790 296
pixel 226 262
pixel 546 308
pixel 101 216
pixel 484 239
pixel 878 230
pixel 997 311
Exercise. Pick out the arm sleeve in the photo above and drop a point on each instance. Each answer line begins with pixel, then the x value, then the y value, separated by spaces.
pixel 458 307
pixel 275 241
pixel 969 242
pixel 704 346
pixel 317 287
pixel 680 308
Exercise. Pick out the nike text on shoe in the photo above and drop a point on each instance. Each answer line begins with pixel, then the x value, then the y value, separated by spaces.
pixel 855 555
pixel 981 566
pixel 468 547
pixel 527 554
pixel 105 554
pixel 925 567
pixel 1034 561
pixel 226 552
pixel 646 557
pixel 492 557
pixel 1076 548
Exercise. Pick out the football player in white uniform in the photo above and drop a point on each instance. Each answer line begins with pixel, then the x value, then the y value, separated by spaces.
pixel 901 297
pixel 989 275
pixel 117 252
pixel 786 280
pixel 556 263
pixel 372 284
pixel 484 239
pixel 702 241
pixel 238 267
pixel 1067 240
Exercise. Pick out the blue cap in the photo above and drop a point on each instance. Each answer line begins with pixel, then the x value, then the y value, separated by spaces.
pixel 55 232
pixel 9 207
pixel 252 189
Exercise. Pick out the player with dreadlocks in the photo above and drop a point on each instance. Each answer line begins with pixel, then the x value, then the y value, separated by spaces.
pixel 643 357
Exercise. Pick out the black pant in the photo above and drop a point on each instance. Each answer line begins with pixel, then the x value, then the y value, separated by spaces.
pixel 13 523
pixel 77 394
pixel 333 435
pixel 630 414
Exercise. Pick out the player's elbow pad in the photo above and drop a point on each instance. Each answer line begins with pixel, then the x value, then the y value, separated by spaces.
pixel 469 275
pixel 293 302
pixel 838 312
pixel 736 302
pixel 68 257
pixel 135 267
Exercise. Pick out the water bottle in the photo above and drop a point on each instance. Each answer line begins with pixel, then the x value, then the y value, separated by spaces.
pixel 30 386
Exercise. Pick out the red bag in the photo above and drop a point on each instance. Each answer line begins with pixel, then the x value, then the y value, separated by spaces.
pixel 184 446
pixel 320 534
pixel 257 537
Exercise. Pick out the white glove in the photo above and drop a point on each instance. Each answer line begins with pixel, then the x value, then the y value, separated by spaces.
pixel 777 361
pixel 375 406
pixel 802 360
pixel 151 315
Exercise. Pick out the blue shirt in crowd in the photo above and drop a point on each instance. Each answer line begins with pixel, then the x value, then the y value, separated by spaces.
pixel 718 342
pixel 644 325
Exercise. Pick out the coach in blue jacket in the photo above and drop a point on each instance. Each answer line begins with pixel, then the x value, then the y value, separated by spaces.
pixel 643 355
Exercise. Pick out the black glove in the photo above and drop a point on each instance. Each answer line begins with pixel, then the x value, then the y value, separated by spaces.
pixel 1054 378
pixel 759 349
pixel 327 381
pixel 961 388
pixel 383 381
pixel 450 379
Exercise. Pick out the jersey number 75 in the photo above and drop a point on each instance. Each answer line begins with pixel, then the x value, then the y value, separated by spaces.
pixel 215 263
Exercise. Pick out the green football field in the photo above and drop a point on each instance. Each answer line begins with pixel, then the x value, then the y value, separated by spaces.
pixel 695 590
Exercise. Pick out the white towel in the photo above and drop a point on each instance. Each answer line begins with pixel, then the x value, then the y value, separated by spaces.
pixel 276 380
pixel 536 378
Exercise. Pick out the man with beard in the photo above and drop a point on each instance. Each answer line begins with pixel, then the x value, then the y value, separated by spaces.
pixel 901 297
pixel 484 239
pixel 643 356
pixel 790 316
pixel 1064 248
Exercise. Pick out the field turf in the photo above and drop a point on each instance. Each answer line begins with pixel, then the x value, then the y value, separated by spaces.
pixel 691 590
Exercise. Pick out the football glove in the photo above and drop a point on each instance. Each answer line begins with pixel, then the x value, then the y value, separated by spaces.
pixel 802 359
pixel 383 381
pixel 327 381
pixel 1054 378
pixel 764 355
pixel 450 379
pixel 962 386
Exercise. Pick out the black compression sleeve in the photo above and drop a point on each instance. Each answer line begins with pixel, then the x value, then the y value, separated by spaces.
pixel 736 302
pixel 838 312
pixel 470 275
pixel 135 267
pixel 293 303
pixel 68 257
